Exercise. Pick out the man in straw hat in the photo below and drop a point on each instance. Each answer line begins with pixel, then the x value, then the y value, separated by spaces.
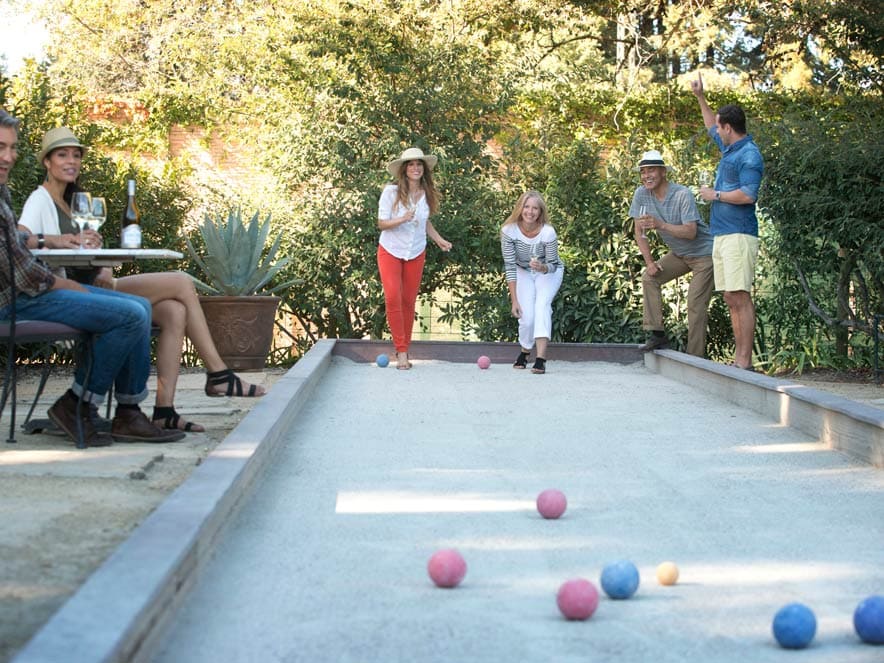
pixel 121 324
pixel 669 209
pixel 732 217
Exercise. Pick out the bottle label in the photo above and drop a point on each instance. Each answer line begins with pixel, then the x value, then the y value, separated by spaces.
pixel 131 238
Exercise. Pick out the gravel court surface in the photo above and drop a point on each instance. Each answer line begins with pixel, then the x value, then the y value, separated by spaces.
pixel 327 560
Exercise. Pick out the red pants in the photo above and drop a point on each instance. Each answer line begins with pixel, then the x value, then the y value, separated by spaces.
pixel 401 280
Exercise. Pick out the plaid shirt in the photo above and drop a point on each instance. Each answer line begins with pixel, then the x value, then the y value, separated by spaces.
pixel 32 277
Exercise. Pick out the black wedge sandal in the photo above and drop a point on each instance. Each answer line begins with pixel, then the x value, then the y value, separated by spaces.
pixel 234 385
pixel 539 366
pixel 167 419
pixel 521 360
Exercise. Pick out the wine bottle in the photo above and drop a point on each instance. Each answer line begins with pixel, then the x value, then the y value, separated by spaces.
pixel 130 236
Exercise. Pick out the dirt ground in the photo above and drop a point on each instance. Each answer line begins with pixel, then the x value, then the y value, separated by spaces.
pixel 63 511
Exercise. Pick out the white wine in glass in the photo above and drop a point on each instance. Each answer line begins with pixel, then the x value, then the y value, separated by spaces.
pixel 536 251
pixel 81 211
pixel 99 213
pixel 642 210
pixel 705 180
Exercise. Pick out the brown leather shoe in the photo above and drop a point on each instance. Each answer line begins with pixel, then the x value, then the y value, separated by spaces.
pixel 63 414
pixel 654 342
pixel 133 426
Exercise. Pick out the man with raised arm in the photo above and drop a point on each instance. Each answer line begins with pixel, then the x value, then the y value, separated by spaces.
pixel 732 219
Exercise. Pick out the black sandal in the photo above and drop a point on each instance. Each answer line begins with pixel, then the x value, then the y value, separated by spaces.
pixel 234 385
pixel 167 419
pixel 539 366
pixel 521 360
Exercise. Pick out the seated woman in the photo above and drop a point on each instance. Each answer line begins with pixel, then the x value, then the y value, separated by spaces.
pixel 176 308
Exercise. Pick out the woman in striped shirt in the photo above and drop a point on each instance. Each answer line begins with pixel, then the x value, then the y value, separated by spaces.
pixel 534 274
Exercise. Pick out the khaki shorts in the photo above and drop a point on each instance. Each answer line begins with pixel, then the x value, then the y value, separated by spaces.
pixel 733 260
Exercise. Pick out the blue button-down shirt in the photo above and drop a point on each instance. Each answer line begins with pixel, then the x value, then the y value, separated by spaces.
pixel 741 167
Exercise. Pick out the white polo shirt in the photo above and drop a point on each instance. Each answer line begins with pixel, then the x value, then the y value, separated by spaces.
pixel 407 240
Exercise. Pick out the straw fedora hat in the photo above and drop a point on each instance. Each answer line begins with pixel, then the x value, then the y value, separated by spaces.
pixel 411 154
pixel 653 158
pixel 58 137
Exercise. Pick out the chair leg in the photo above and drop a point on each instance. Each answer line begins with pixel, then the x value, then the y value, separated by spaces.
pixel 110 398
pixel 86 350
pixel 44 378
pixel 9 389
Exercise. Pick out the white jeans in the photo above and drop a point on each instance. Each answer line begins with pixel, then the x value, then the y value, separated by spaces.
pixel 535 292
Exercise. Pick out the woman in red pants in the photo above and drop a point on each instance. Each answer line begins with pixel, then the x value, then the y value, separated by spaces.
pixel 404 221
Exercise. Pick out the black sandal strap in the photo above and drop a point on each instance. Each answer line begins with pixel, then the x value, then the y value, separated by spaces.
pixel 521 360
pixel 225 377
pixel 231 379
pixel 170 419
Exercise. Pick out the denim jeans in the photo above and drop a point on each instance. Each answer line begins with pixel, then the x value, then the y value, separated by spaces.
pixel 121 349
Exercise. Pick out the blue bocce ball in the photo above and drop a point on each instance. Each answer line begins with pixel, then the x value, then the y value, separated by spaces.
pixel 868 620
pixel 794 626
pixel 620 579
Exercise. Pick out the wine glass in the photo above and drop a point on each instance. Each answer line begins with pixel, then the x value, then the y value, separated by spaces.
pixel 98 213
pixel 536 251
pixel 705 180
pixel 81 211
pixel 642 210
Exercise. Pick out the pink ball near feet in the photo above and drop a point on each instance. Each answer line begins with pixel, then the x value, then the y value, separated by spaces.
pixel 577 599
pixel 551 503
pixel 484 362
pixel 447 568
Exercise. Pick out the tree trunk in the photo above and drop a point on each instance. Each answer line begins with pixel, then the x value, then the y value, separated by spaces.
pixel 844 312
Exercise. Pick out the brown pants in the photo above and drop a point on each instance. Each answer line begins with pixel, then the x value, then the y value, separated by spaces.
pixel 699 294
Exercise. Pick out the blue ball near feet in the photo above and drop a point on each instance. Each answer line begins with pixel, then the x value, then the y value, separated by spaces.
pixel 868 620
pixel 794 626
pixel 620 579
pixel 382 361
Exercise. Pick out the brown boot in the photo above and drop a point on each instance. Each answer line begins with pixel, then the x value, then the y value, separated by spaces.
pixel 131 425
pixel 64 414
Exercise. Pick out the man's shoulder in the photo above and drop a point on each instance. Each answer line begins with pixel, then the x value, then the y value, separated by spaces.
pixel 678 189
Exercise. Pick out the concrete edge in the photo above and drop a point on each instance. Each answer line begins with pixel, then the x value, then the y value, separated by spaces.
pixel 498 353
pixel 122 609
pixel 126 602
pixel 839 423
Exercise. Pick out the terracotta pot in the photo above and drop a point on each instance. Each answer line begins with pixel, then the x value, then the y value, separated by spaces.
pixel 242 328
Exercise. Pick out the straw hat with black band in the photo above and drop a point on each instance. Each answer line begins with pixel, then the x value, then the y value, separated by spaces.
pixel 56 138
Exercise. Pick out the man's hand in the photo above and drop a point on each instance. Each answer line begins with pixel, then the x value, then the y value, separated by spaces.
pixel 697 86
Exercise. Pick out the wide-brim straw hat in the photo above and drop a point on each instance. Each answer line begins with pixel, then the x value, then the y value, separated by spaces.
pixel 58 137
pixel 411 154
pixel 653 158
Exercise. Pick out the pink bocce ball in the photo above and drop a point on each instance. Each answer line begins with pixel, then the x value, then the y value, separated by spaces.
pixel 577 599
pixel 484 362
pixel 551 503
pixel 447 568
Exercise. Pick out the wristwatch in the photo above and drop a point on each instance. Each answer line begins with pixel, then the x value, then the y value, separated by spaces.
pixel 718 196
pixel 41 241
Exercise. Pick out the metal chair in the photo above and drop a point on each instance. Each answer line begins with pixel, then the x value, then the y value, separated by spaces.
pixel 47 335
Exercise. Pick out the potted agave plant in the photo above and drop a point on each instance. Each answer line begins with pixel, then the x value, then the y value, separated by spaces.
pixel 239 301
